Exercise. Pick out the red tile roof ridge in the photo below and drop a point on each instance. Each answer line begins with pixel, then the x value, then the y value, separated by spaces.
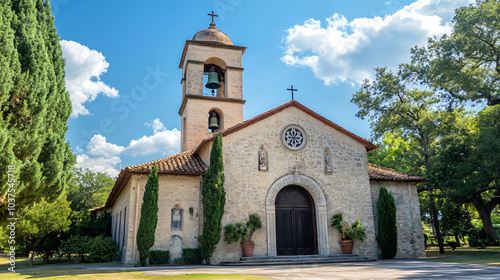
pixel 165 159
pixel 396 175
pixel 188 163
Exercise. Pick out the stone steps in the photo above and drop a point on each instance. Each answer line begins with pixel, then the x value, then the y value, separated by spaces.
pixel 293 260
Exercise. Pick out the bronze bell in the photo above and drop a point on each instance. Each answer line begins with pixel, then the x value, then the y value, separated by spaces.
pixel 213 122
pixel 213 80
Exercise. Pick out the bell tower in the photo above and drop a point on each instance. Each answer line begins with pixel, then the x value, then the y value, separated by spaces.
pixel 212 92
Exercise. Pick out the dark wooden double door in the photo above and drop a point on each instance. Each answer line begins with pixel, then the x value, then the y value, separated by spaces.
pixel 295 223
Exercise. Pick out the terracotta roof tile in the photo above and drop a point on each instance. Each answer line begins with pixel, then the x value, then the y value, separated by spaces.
pixel 369 146
pixel 181 163
pixel 184 163
pixel 379 173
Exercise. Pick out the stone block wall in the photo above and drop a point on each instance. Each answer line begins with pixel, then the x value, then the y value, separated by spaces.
pixel 346 188
pixel 121 236
pixel 175 192
pixel 410 232
pixel 196 115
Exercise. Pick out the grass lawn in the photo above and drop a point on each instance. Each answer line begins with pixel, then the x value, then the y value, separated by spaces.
pixel 74 273
pixel 24 262
pixel 489 256
pixel 57 270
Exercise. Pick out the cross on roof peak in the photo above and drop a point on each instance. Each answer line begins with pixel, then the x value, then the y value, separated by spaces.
pixel 213 15
pixel 292 90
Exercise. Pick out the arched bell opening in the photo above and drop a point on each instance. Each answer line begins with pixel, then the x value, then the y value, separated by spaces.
pixel 214 77
pixel 215 120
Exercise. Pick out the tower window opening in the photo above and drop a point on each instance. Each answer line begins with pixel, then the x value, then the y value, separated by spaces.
pixel 209 80
pixel 214 121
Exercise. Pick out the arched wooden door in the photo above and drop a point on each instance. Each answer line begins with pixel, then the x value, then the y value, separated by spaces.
pixel 295 222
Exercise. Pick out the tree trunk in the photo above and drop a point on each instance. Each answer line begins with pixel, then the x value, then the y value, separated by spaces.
pixel 457 239
pixel 485 215
pixel 431 197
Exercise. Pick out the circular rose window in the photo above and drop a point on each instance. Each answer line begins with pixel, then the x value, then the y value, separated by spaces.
pixel 294 137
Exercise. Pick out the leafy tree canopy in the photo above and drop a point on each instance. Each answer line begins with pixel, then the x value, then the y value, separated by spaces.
pixel 466 64
pixel 89 189
pixel 467 165
pixel 398 153
pixel 39 227
pixel 34 105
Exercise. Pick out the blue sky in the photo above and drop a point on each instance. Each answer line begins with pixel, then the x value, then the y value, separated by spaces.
pixel 122 62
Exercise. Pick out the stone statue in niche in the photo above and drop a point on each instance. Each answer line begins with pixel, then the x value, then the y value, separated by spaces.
pixel 328 161
pixel 176 219
pixel 262 159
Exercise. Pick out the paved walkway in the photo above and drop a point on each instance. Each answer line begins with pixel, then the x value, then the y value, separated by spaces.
pixel 368 270
pixel 399 269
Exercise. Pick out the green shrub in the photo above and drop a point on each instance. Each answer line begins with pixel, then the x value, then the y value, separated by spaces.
pixel 149 217
pixel 159 257
pixel 387 228
pixel 213 197
pixel 473 242
pixel 347 231
pixel 102 249
pixel 191 256
pixel 76 244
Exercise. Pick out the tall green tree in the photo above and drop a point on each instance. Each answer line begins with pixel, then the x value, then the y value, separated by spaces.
pixel 467 166
pixel 89 189
pixel 398 153
pixel 455 219
pixel 149 217
pixel 466 64
pixel 40 227
pixel 35 106
pixel 395 103
pixel 387 236
pixel 213 196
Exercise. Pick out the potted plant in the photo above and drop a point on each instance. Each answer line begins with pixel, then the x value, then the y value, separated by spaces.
pixel 348 233
pixel 243 232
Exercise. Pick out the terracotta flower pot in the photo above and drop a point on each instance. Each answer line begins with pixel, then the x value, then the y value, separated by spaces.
pixel 247 248
pixel 346 246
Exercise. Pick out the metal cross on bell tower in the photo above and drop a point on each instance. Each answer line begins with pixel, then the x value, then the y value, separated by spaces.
pixel 213 15
pixel 292 90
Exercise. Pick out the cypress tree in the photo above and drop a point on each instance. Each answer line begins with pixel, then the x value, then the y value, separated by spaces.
pixel 35 106
pixel 387 229
pixel 149 217
pixel 213 197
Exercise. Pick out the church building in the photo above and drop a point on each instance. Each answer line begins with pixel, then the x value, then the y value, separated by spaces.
pixel 290 165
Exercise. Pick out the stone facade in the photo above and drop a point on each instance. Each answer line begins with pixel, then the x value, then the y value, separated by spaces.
pixel 179 192
pixel 345 189
pixel 410 235
pixel 328 162
pixel 195 117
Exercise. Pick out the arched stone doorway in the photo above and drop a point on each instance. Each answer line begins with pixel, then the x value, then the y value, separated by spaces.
pixel 319 211
pixel 295 222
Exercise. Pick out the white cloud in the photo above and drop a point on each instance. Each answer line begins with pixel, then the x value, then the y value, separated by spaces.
pixel 84 68
pixel 347 51
pixel 166 142
pixel 104 157
pixel 99 164
pixel 157 125
pixel 99 147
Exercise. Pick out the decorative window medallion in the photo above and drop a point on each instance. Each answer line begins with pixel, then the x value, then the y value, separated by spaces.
pixel 294 137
